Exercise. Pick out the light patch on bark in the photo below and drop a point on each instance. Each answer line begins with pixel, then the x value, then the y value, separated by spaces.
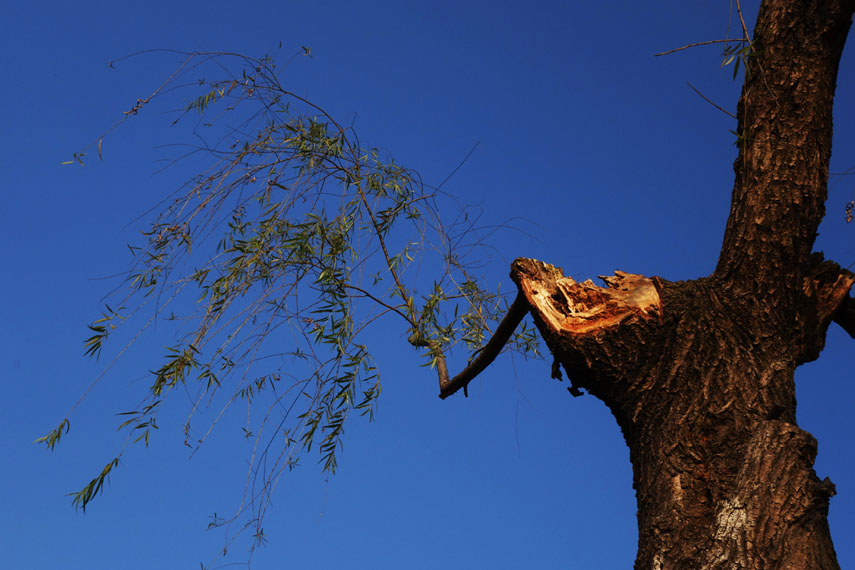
pixel 677 490
pixel 731 538
pixel 731 520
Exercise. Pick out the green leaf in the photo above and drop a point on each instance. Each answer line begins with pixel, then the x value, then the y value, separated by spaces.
pixel 83 497
pixel 53 437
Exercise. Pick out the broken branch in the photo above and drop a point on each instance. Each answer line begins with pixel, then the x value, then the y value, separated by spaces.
pixel 487 354
pixel 845 316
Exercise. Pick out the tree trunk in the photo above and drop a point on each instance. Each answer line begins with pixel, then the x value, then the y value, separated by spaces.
pixel 705 398
pixel 699 374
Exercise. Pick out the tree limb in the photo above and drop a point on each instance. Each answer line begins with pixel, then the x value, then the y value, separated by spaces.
pixel 518 310
pixel 784 138
pixel 845 316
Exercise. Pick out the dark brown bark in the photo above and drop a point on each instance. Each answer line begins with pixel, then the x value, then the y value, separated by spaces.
pixel 785 129
pixel 845 316
pixel 702 388
pixel 699 374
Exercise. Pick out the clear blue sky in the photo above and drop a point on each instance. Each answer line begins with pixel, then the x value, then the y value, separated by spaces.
pixel 599 148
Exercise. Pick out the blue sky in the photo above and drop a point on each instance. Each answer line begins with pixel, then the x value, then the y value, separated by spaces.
pixel 599 151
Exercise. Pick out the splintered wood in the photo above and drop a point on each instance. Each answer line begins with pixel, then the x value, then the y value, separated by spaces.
pixel 579 308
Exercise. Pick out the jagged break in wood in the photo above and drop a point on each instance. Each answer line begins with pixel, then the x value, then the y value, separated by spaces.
pixel 568 306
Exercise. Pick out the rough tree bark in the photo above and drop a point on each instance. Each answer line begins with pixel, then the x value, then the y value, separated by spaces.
pixel 699 374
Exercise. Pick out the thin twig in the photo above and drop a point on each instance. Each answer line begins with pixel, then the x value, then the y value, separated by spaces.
pixel 462 162
pixel 698 44
pixel 365 293
pixel 705 98
pixel 744 27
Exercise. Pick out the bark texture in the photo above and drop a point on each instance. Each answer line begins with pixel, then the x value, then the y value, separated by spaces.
pixel 699 374
pixel 702 387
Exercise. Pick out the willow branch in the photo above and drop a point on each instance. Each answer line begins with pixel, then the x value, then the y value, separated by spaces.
pixel 494 346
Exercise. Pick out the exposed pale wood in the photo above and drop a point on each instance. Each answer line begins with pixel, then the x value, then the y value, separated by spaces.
pixel 581 308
